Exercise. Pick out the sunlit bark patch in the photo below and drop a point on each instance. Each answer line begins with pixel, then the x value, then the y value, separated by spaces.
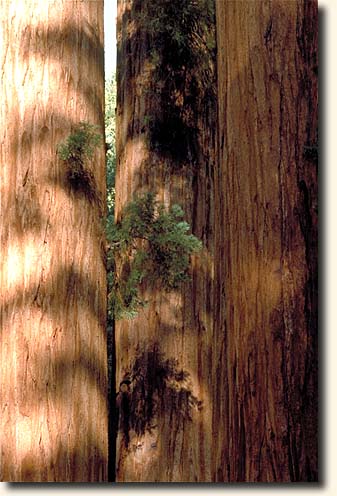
pixel 164 103
pixel 53 301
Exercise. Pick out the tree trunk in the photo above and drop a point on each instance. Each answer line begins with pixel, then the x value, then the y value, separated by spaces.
pixel 166 123
pixel 53 282
pixel 266 194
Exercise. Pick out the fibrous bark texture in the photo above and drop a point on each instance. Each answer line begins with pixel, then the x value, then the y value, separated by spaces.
pixel 53 295
pixel 266 191
pixel 166 143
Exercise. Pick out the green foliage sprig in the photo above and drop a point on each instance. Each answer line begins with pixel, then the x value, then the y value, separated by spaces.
pixel 110 136
pixel 153 244
pixel 76 151
pixel 182 52
pixel 81 143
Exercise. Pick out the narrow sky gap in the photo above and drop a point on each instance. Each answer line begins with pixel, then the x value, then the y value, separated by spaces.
pixel 110 14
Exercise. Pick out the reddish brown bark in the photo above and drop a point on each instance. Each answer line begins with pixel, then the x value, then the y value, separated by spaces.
pixel 165 419
pixel 266 190
pixel 53 295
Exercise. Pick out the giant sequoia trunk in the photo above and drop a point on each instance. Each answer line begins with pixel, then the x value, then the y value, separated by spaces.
pixel 267 203
pixel 165 144
pixel 53 296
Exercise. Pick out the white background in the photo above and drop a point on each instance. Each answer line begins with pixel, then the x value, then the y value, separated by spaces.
pixel 328 301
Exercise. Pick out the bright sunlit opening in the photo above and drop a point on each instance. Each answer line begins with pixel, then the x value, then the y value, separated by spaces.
pixel 110 14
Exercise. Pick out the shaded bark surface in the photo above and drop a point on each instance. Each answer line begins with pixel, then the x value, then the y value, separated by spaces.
pixel 53 283
pixel 165 143
pixel 266 285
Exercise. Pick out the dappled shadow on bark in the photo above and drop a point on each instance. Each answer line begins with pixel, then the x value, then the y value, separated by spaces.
pixel 62 290
pixel 50 436
pixel 38 134
pixel 153 384
pixel 175 71
pixel 166 101
pixel 67 465
pixel 24 214
pixel 60 366
pixel 42 127
pixel 44 43
pixel 80 180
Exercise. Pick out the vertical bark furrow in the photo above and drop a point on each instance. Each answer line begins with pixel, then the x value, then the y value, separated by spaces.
pixel 267 193
pixel 165 143
pixel 53 308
